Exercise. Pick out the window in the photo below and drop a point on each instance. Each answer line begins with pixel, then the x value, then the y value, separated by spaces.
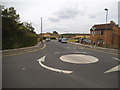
pixel 93 32
pixel 100 32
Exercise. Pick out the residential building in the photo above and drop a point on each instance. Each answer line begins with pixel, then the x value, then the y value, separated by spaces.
pixel 106 35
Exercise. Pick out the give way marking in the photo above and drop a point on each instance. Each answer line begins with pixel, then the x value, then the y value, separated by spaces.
pixel 52 69
pixel 116 68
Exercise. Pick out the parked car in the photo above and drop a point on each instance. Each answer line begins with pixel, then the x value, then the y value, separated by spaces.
pixel 80 40
pixel 85 41
pixel 59 39
pixel 64 40
pixel 89 41
pixel 47 39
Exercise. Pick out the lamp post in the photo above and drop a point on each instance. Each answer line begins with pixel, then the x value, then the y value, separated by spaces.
pixel 106 23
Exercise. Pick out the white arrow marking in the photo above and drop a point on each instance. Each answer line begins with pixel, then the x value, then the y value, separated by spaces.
pixel 116 58
pixel 52 69
pixel 116 68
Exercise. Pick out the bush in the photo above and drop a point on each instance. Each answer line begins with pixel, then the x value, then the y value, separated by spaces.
pixel 14 33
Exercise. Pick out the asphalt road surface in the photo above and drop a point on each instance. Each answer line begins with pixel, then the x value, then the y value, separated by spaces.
pixel 60 65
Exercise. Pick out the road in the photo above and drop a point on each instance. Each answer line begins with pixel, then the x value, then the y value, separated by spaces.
pixel 47 68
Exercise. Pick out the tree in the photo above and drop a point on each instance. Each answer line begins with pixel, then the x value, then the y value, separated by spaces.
pixel 55 32
pixel 14 33
pixel 28 26
pixel 10 13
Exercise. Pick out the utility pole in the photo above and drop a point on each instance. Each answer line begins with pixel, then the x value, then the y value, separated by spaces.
pixel 41 25
pixel 41 30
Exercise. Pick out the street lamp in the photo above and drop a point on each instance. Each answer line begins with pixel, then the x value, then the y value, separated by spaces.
pixel 106 14
pixel 106 23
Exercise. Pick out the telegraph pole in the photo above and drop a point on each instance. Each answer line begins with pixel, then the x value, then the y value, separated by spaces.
pixel 41 25
pixel 41 31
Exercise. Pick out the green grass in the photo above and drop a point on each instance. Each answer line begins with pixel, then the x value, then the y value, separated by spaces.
pixel 72 40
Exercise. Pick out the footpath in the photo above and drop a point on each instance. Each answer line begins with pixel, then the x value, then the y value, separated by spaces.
pixel 115 51
pixel 22 50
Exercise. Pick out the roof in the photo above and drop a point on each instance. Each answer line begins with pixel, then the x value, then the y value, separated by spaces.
pixel 109 26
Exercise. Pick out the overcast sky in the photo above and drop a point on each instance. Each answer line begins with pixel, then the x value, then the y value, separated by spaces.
pixel 72 16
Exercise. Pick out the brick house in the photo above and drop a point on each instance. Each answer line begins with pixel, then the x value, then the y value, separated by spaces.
pixel 106 35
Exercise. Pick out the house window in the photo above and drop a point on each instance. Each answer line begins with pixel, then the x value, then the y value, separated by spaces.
pixel 100 32
pixel 93 33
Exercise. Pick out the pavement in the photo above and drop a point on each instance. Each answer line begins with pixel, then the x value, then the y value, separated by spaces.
pixel 61 65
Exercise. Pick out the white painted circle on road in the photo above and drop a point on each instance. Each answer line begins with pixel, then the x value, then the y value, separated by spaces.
pixel 79 59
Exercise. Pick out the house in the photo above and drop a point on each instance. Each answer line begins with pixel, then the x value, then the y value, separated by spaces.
pixel 106 35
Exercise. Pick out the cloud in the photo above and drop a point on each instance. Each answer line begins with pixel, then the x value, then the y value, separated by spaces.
pixel 67 13
pixel 92 16
pixel 53 19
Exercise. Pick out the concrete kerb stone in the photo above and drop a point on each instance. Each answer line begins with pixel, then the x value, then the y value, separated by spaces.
pixel 89 46
pixel 21 49
pixel 78 44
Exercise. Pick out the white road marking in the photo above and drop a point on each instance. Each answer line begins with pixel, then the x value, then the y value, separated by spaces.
pixel 23 68
pixel 116 58
pixel 68 47
pixel 79 52
pixel 116 68
pixel 56 52
pixel 52 69
pixel 79 59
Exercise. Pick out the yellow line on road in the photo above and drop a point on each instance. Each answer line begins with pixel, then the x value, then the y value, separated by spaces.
pixel 28 51
pixel 93 49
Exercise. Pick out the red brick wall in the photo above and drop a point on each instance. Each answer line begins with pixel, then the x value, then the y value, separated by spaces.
pixel 116 37
pixel 108 34
pixel 112 37
pixel 108 38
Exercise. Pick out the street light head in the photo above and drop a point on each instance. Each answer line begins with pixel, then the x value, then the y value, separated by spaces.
pixel 106 9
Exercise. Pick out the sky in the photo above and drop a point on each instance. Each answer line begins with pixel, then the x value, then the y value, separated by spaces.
pixel 64 16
